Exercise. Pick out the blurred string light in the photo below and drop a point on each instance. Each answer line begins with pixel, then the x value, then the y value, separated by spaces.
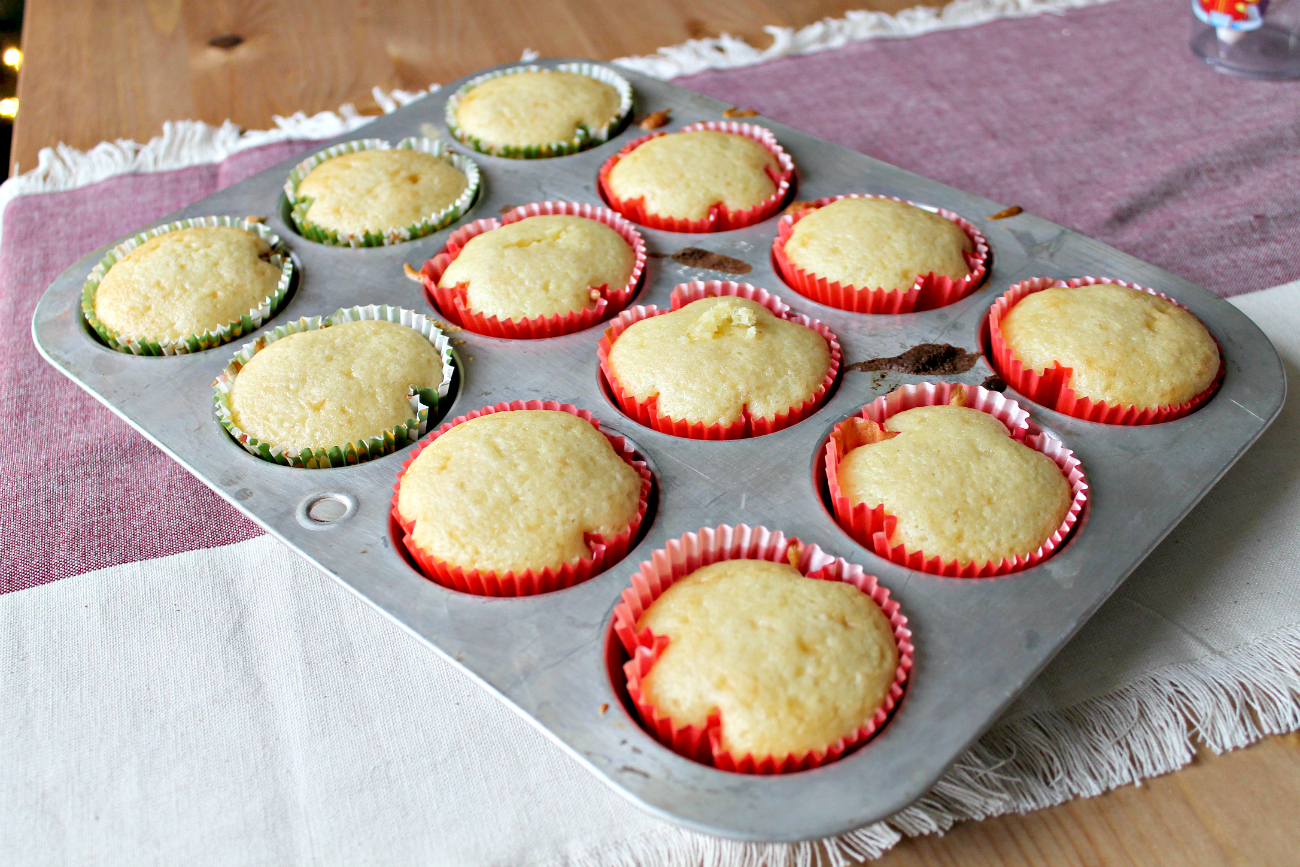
pixel 13 57
pixel 9 107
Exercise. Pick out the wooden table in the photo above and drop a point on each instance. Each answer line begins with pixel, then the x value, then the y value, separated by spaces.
pixel 98 71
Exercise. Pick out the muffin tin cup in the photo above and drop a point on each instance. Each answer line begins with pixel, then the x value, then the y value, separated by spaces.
pixel 646 412
pixel 927 293
pixel 720 218
pixel 424 401
pixel 872 526
pixel 682 556
pixel 298 205
pixel 245 324
pixel 1051 388
pixel 585 138
pixel 605 552
pixel 453 304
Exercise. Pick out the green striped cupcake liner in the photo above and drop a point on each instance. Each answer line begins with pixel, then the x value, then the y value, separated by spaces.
pixel 249 322
pixel 424 401
pixel 298 205
pixel 585 138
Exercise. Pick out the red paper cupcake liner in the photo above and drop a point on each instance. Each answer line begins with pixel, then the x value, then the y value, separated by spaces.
pixel 680 557
pixel 480 582
pixel 720 218
pixel 1051 388
pixel 453 304
pixel 929 291
pixel 646 412
pixel 871 527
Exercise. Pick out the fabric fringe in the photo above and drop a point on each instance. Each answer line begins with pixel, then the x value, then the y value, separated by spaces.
pixel 726 52
pixel 1145 729
pixel 184 143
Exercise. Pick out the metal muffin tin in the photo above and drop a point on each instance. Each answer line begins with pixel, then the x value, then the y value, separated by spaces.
pixel 978 642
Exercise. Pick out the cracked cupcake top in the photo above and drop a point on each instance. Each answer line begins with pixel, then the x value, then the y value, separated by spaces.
pixel 715 358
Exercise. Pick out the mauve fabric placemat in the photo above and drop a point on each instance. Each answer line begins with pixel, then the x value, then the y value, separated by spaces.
pixel 1100 120
pixel 81 489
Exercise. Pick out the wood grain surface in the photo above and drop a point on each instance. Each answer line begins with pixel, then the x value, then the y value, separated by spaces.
pixel 1235 810
pixel 95 70
pixel 105 70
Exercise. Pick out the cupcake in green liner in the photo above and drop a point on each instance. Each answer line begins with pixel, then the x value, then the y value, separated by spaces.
pixel 367 193
pixel 187 286
pixel 339 390
pixel 529 112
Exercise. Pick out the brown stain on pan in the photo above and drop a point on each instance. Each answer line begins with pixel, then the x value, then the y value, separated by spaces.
pixel 694 257
pixel 924 359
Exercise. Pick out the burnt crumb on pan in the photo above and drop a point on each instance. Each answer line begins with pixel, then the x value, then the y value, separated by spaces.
pixel 656 119
pixel 924 359
pixel 1007 212
pixel 739 112
pixel 226 41
pixel 994 383
pixel 694 257
pixel 799 207
pixel 505 209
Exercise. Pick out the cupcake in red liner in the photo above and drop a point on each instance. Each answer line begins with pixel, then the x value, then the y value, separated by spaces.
pixel 720 218
pixel 694 551
pixel 604 551
pixel 1052 389
pixel 646 412
pixel 452 301
pixel 873 527
pixel 928 292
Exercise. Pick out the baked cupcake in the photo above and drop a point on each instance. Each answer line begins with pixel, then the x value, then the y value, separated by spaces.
pixel 708 177
pixel 935 483
pixel 874 254
pixel 544 266
pixel 331 392
pixel 727 361
pixel 791 664
pixel 187 286
pixel 520 499
pixel 757 654
pixel 366 193
pixel 530 112
pixel 1105 351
